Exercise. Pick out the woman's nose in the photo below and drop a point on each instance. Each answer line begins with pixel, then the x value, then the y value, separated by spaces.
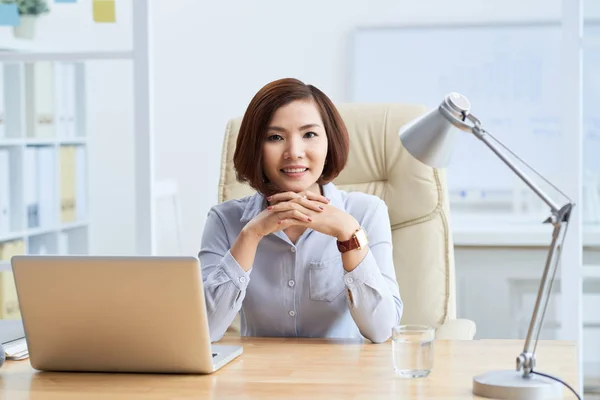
pixel 294 150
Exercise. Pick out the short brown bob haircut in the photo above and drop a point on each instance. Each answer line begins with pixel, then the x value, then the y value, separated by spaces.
pixel 247 158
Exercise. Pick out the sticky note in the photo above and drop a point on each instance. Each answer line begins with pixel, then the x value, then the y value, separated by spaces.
pixel 104 10
pixel 9 15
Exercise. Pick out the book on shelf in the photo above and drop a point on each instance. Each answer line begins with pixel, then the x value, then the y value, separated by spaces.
pixel 2 101
pixel 68 179
pixel 46 186
pixel 66 103
pixel 30 180
pixel 4 191
pixel 40 99
pixel 9 304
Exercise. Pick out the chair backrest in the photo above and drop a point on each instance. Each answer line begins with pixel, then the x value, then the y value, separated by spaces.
pixel 416 196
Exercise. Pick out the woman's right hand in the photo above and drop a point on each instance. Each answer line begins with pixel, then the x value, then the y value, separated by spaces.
pixel 294 211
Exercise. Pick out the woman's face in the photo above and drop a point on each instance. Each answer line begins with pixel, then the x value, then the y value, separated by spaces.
pixel 295 147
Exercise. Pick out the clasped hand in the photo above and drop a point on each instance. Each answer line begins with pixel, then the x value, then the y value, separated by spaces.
pixel 306 209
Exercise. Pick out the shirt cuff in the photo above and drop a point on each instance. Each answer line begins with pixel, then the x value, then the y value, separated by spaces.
pixel 234 271
pixel 365 272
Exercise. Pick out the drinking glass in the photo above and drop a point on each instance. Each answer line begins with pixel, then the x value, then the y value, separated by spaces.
pixel 412 350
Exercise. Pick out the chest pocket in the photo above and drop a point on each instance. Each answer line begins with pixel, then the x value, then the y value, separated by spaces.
pixel 326 279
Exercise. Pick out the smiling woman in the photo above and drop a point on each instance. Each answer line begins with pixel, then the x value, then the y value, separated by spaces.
pixel 284 257
pixel 301 118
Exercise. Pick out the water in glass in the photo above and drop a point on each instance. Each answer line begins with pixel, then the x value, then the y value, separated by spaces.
pixel 412 350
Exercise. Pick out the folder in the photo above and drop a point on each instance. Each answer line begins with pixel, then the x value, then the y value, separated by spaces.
pixel 9 303
pixel 46 186
pixel 30 182
pixel 81 183
pixel 68 210
pixel 70 88
pixel 40 101
pixel 4 192
pixel 2 107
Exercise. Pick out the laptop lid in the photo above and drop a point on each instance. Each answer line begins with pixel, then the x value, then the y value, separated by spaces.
pixel 114 314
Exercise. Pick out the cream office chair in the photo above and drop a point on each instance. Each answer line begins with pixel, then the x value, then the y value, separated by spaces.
pixel 416 196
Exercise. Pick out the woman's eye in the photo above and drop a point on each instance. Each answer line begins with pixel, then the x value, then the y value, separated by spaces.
pixel 310 135
pixel 273 138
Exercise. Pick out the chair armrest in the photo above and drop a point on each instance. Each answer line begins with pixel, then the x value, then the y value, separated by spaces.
pixel 457 329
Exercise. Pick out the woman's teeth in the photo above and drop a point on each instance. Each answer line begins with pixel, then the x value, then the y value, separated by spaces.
pixel 294 170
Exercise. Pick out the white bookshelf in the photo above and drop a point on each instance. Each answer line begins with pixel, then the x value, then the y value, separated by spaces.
pixel 43 134
pixel 20 135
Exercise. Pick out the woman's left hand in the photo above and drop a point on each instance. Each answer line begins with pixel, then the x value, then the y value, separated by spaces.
pixel 330 220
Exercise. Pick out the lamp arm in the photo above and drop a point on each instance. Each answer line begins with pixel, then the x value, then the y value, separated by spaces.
pixel 526 360
pixel 559 218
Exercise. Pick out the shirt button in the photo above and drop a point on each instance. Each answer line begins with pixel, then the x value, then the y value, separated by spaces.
pixel 292 313
pixel 293 249
pixel 243 279
pixel 349 280
pixel 291 282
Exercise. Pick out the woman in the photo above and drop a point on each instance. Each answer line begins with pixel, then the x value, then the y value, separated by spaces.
pixel 300 257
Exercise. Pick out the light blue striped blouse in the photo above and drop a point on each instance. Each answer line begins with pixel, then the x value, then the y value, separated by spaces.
pixel 302 289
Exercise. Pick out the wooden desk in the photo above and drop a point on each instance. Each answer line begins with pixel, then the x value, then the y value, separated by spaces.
pixel 301 369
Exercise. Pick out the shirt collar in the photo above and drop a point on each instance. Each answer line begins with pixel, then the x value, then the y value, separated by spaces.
pixel 257 202
pixel 255 205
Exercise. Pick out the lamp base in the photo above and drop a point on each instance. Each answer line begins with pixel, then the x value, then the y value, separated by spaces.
pixel 510 384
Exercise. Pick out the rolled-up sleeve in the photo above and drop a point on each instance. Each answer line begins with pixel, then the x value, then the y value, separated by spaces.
pixel 224 280
pixel 374 296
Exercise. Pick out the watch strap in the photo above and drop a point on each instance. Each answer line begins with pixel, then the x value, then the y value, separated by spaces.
pixel 350 244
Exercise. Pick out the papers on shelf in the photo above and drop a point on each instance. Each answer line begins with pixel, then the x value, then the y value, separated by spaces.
pixel 16 350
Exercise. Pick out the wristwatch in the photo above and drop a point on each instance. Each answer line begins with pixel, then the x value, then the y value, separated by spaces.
pixel 358 241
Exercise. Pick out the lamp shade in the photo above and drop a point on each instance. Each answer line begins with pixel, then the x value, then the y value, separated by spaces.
pixel 430 138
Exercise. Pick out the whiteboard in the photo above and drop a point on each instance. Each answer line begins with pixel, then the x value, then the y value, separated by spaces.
pixel 510 74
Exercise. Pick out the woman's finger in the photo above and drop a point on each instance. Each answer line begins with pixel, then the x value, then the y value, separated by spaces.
pixel 302 205
pixel 286 223
pixel 293 214
pixel 288 196
pixel 315 196
pixel 310 204
pixel 284 196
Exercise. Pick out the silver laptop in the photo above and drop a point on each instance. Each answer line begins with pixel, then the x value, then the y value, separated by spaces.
pixel 116 314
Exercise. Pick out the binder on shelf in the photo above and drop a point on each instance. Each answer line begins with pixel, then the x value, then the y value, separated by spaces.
pixel 68 211
pixel 40 99
pixel 31 187
pixel 66 113
pixel 4 192
pixel 70 88
pixel 9 304
pixel 81 183
pixel 46 186
pixel 60 109
pixel 2 102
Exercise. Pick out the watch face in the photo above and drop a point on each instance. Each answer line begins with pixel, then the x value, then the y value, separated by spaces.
pixel 361 237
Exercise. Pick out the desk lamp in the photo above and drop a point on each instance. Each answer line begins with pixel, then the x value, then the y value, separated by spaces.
pixel 430 139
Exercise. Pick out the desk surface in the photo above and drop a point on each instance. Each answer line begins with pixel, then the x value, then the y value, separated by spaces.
pixel 298 368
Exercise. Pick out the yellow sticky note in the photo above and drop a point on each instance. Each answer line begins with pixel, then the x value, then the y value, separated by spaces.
pixel 104 10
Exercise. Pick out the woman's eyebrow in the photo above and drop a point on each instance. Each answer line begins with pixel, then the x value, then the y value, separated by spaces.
pixel 303 127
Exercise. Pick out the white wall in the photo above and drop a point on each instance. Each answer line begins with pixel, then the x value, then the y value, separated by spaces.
pixel 210 59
